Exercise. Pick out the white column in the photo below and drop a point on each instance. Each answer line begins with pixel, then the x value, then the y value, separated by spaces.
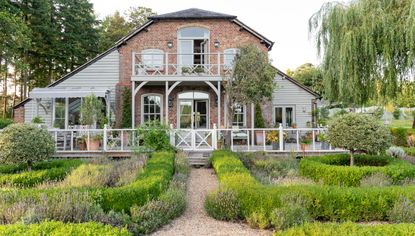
pixel 219 103
pixel 166 99
pixel 281 138
pixel 133 105
pixel 252 124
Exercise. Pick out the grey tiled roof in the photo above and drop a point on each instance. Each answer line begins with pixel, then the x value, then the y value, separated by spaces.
pixel 192 13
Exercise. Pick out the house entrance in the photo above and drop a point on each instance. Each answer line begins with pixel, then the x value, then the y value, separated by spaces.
pixel 193 110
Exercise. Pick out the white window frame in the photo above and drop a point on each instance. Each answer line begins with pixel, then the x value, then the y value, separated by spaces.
pixel 228 53
pixel 152 62
pixel 243 116
pixel 54 112
pixel 161 106
pixel 284 116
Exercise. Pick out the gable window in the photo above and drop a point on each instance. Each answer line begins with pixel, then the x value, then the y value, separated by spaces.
pixel 152 58
pixel 284 115
pixel 229 57
pixel 152 108
pixel 239 115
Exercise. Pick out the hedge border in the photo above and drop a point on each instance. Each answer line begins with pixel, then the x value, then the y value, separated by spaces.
pixel 60 228
pixel 43 171
pixel 331 203
pixel 324 168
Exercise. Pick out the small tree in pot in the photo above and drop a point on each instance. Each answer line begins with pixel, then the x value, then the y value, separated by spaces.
pixel 259 123
pixel 252 78
pixel 92 113
pixel 358 133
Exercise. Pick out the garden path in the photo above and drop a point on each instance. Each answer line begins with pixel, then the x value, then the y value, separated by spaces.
pixel 195 221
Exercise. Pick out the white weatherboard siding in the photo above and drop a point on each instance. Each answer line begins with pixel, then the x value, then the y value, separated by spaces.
pixel 102 74
pixel 290 94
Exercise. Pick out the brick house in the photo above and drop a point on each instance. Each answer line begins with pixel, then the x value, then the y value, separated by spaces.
pixel 174 66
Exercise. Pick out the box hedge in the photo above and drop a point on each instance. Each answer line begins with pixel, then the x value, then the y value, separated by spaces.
pixel 43 171
pixel 332 203
pixel 59 228
pixel 349 229
pixel 334 169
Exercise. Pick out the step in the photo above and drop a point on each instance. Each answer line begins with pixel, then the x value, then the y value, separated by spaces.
pixel 198 158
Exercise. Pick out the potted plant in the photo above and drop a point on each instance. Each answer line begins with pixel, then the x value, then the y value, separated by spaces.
pixel 294 125
pixel 305 142
pixel 186 70
pixel 199 69
pixel 274 137
pixel 323 141
pixel 81 141
pixel 259 124
pixel 94 142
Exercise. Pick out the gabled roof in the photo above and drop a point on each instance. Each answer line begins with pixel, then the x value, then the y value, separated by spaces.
pixel 292 80
pixel 192 13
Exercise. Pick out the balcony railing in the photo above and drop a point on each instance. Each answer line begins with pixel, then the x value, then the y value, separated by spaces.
pixel 174 64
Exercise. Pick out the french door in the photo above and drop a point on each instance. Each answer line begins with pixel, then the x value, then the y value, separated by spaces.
pixel 193 114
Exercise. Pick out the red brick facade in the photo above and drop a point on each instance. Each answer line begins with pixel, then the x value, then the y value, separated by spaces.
pixel 156 36
pixel 18 115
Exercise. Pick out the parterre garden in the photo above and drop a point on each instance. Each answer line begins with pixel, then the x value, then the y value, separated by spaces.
pixel 321 195
pixel 92 196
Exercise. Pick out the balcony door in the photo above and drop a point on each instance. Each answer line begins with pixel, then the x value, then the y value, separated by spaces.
pixel 193 47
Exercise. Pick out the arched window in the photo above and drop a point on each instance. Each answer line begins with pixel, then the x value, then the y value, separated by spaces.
pixel 151 107
pixel 193 33
pixel 229 56
pixel 152 58
pixel 194 95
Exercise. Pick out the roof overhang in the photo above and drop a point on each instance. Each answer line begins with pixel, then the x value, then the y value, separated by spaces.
pixel 54 92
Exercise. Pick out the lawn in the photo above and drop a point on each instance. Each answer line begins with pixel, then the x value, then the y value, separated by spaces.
pixel 401 123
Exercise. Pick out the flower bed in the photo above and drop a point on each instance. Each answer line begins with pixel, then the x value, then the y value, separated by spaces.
pixel 59 228
pixel 16 176
pixel 333 169
pixel 322 202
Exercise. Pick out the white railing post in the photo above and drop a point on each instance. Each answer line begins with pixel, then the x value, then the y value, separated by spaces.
pixel 122 140
pixel 104 139
pixel 214 137
pixel 281 134
pixel 71 140
pixel 167 63
pixel 263 140
pixel 133 64
pixel 314 139
pixel 172 134
pixel 88 143
pixel 218 63
pixel 298 140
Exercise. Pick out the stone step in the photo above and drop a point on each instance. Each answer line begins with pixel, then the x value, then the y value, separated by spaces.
pixel 199 158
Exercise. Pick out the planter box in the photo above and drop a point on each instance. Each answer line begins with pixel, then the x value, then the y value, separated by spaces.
pixel 259 137
pixel 93 145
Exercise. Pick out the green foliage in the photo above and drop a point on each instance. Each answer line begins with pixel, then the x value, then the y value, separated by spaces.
pixel 358 132
pixel 403 211
pixel 259 119
pixel 400 136
pixel 310 76
pixel 5 122
pixel 378 112
pixel 223 205
pixel 293 213
pixel 376 179
pixel 258 220
pixel 89 175
pixel 42 171
pixel 37 120
pixel 60 228
pixel 333 169
pixel 91 110
pixel 25 143
pixel 410 151
pixel 334 203
pixel 365 54
pixel 126 108
pixel 396 113
pixel 348 229
pixel 155 136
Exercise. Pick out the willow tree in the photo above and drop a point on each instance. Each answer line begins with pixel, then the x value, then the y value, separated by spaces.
pixel 367 48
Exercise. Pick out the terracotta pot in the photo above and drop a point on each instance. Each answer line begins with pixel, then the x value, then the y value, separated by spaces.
pixel 93 145
pixel 304 146
pixel 259 137
pixel 82 145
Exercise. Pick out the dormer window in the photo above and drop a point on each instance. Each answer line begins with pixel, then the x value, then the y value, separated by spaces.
pixel 152 58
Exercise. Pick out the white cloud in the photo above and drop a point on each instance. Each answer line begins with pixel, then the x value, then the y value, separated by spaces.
pixel 283 21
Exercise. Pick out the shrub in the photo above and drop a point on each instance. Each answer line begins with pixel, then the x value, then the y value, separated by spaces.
pixel 357 132
pixel 155 136
pixel 348 229
pixel 403 211
pixel 126 108
pixel 25 143
pixel 376 179
pixel 332 169
pixel 42 171
pixel 258 220
pixel 222 205
pixel 410 151
pixel 396 152
pixel 400 136
pixel 60 228
pixel 396 113
pixel 89 175
pixel 293 213
pixel 37 120
pixel 5 122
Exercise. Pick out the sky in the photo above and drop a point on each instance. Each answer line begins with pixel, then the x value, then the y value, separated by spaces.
pixel 284 22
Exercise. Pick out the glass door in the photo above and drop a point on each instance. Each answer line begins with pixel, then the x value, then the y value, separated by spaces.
pixel 201 115
pixel 185 53
pixel 186 114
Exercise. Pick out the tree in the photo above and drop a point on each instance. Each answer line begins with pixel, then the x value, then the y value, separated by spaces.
pixel 368 46
pixel 91 110
pixel 358 133
pixel 126 108
pixel 137 16
pixel 310 76
pixel 24 143
pixel 252 78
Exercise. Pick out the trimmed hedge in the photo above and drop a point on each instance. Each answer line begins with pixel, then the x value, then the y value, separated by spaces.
pixel 334 169
pixel 60 228
pixel 332 203
pixel 349 229
pixel 42 171
pixel 400 136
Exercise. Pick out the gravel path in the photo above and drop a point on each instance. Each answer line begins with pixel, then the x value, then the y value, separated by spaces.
pixel 195 221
